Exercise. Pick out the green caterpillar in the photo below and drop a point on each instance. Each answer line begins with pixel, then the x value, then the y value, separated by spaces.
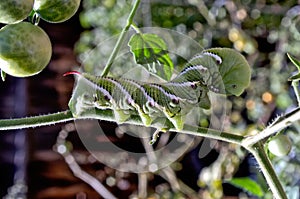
pixel 219 70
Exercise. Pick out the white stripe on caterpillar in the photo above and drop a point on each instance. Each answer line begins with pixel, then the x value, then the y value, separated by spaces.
pixel 215 56
pixel 190 68
pixel 122 89
pixel 140 87
pixel 171 96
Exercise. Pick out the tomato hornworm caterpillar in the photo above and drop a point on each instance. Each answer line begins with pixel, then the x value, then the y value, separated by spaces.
pixel 148 100
pixel 219 70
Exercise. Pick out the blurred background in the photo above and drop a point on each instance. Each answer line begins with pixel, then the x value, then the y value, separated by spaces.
pixel 263 31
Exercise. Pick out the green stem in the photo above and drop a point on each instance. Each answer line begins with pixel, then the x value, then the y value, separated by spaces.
pixel 282 123
pixel 266 167
pixel 135 28
pixel 108 115
pixel 120 39
pixel 36 121
pixel 211 133
pixel 34 18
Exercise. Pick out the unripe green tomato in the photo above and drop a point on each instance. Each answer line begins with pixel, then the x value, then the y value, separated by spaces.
pixel 25 49
pixel 280 145
pixel 14 11
pixel 56 11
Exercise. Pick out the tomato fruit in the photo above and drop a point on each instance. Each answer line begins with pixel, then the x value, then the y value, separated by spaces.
pixel 56 11
pixel 14 11
pixel 25 49
pixel 280 145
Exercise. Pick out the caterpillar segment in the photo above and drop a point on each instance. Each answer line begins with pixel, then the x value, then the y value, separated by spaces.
pixel 206 66
pixel 141 100
pixel 232 75
pixel 109 94
pixel 192 73
pixel 167 103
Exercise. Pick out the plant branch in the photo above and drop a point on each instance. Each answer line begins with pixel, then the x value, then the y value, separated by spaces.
pixel 120 39
pixel 266 167
pixel 36 121
pixel 62 148
pixel 280 124
pixel 142 186
pixel 107 115
pixel 188 129
pixel 135 28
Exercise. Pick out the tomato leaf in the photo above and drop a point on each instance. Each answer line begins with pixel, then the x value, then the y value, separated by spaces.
pixel 294 61
pixel 248 185
pixel 294 77
pixel 150 50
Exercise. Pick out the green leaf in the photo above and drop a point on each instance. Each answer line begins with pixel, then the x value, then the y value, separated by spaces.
pixel 248 185
pixel 294 77
pixel 294 61
pixel 150 50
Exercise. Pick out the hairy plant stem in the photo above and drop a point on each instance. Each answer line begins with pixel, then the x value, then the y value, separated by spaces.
pixel 54 118
pixel 36 121
pixel 282 122
pixel 120 39
pixel 267 169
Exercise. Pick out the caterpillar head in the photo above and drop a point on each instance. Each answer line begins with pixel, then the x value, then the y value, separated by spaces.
pixel 233 69
pixel 87 95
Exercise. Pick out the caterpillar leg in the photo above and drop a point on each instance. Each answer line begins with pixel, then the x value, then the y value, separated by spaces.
pixel 146 119
pixel 154 137
pixel 83 103
pixel 176 119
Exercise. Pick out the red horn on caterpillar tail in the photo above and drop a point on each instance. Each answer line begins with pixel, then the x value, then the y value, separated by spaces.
pixel 71 73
